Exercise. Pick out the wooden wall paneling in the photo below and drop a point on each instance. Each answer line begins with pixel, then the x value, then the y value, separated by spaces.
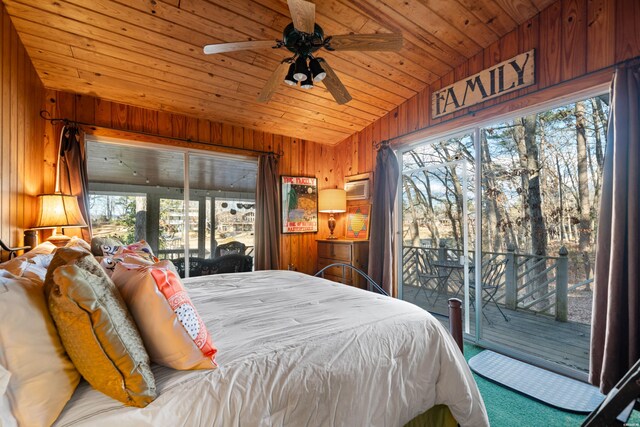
pixel 102 111
pixel 50 142
pixel 21 135
pixel 226 136
pixel 86 111
pixel 424 107
pixel 574 38
pixel 550 45
pixel 13 130
pixel 528 38
pixel 135 118
pixel 258 140
pixel 247 139
pixel 150 121
pixel 601 35
pixel 165 126
pixel 178 126
pixel 238 137
pixel 459 73
pixel 191 128
pixel 627 29
pixel 402 119
pixel 118 114
pixel 18 145
pixel 362 152
pixel 393 123
pixel 216 133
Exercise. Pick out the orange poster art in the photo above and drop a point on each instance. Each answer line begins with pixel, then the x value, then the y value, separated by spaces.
pixel 358 222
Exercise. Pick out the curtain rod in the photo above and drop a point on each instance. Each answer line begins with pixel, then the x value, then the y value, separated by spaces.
pixel 68 122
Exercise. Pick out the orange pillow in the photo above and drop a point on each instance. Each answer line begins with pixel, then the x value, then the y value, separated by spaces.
pixel 172 331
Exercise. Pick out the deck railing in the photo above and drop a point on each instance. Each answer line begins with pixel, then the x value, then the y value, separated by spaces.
pixel 533 283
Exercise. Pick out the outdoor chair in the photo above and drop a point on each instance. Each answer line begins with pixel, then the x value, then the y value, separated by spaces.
pixel 429 277
pixel 492 273
pixel 230 248
pixel 232 263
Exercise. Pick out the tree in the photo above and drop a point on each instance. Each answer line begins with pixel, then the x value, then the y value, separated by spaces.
pixel 584 209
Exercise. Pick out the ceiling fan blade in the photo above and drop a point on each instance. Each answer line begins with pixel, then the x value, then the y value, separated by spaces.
pixel 303 15
pixel 272 84
pixel 385 41
pixel 232 47
pixel 334 85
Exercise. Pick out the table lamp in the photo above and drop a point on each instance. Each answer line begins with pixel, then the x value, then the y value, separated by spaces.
pixel 58 211
pixel 332 201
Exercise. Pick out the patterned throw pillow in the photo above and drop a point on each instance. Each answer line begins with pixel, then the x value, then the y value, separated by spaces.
pixel 108 263
pixel 98 332
pixel 140 248
pixel 173 332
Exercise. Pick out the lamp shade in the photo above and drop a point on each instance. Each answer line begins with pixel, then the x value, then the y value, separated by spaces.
pixel 333 200
pixel 58 210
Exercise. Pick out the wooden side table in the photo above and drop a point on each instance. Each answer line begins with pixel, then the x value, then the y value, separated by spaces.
pixel 354 252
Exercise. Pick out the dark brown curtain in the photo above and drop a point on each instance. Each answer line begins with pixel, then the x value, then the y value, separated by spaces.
pixel 267 237
pixel 73 172
pixel 615 327
pixel 381 241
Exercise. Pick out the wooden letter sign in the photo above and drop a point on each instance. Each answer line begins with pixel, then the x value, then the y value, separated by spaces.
pixel 514 74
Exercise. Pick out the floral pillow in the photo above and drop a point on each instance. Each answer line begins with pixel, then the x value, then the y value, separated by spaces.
pixel 141 249
pixel 108 263
pixel 172 331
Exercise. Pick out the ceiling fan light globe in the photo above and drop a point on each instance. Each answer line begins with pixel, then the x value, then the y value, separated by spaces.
pixel 319 77
pixel 317 70
pixel 289 79
pixel 300 77
pixel 307 84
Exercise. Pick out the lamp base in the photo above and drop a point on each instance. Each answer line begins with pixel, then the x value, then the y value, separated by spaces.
pixel 332 226
pixel 58 239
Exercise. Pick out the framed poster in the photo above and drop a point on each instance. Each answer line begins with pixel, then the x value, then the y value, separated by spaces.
pixel 358 222
pixel 299 204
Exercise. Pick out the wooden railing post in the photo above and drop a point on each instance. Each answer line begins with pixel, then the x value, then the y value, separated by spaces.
pixel 562 279
pixel 511 274
pixel 455 321
pixel 442 251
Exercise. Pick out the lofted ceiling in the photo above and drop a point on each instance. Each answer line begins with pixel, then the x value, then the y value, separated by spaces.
pixel 148 53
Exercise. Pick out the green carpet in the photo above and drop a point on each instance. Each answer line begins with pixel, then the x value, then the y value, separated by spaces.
pixel 507 408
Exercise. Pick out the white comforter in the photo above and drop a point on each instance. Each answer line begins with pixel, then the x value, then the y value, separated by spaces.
pixel 296 350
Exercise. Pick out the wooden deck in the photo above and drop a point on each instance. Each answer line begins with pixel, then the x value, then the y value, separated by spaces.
pixel 564 343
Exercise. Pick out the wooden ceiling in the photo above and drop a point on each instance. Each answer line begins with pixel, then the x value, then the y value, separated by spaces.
pixel 148 53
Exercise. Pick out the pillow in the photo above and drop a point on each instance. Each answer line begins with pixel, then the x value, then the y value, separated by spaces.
pixel 76 242
pixel 17 265
pixel 64 256
pixel 42 376
pixel 98 242
pixel 108 263
pixel 97 331
pixel 141 246
pixel 173 332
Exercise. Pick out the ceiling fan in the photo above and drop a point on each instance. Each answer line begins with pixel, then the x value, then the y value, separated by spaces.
pixel 304 38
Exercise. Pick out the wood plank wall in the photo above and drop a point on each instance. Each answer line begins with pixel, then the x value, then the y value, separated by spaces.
pixel 576 42
pixel 21 134
pixel 115 120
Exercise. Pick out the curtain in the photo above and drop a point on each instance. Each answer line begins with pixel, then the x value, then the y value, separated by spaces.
pixel 73 172
pixel 381 241
pixel 615 326
pixel 267 237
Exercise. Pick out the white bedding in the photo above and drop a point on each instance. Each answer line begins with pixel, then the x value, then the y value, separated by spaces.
pixel 297 350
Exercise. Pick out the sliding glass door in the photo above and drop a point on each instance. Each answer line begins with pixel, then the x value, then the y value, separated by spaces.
pixel 438 225
pixel 141 192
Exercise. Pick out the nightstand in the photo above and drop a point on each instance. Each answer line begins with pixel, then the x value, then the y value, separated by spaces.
pixel 354 252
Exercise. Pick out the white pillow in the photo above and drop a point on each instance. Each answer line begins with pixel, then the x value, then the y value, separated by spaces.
pixel 17 265
pixel 6 418
pixel 42 376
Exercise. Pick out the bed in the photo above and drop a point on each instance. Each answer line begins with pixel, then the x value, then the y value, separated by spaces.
pixel 298 350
